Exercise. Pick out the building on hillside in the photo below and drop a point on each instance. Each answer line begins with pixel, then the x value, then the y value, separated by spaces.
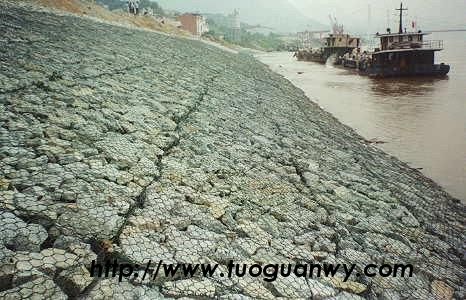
pixel 194 23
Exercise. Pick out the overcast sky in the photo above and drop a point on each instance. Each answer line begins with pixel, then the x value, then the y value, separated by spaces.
pixel 290 15
pixel 431 14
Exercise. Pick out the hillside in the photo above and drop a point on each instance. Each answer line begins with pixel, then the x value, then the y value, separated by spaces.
pixel 92 9
pixel 131 145
pixel 278 14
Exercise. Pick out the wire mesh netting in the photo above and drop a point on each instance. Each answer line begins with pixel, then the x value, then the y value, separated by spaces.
pixel 127 145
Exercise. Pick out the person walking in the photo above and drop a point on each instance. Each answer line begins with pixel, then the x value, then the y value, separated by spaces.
pixel 130 6
pixel 136 7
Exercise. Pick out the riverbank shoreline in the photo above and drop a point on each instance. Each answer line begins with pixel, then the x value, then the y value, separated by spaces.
pixel 367 140
pixel 377 111
pixel 192 154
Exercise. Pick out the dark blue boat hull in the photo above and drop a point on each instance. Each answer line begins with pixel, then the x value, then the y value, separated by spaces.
pixel 416 70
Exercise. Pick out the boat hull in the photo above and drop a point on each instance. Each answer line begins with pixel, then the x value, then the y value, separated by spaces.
pixel 351 64
pixel 319 59
pixel 323 55
pixel 418 70
pixel 307 55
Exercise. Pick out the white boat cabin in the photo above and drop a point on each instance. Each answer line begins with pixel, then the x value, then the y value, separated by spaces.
pixel 390 41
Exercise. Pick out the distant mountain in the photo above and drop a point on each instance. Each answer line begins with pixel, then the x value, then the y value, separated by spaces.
pixel 278 14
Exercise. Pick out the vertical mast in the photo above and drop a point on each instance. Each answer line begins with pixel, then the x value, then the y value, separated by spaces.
pixel 369 20
pixel 388 18
pixel 401 9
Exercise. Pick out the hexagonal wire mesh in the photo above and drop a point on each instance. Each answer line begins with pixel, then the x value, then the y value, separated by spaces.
pixel 157 148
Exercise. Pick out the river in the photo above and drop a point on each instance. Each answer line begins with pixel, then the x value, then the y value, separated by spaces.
pixel 421 120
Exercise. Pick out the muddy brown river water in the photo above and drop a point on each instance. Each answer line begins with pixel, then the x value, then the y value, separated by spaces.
pixel 421 120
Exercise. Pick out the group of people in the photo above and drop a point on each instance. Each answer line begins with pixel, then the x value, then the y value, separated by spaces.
pixel 356 59
pixel 133 7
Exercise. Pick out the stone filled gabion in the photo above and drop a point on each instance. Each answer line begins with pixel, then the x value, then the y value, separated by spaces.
pixel 126 144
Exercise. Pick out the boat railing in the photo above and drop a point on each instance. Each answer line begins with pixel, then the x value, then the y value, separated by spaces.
pixel 433 44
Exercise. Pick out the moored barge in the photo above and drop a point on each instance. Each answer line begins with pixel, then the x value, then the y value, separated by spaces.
pixel 400 54
pixel 335 44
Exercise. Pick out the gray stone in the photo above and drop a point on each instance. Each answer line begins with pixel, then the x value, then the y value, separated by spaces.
pixel 40 288
pixel 320 290
pixel 348 296
pixel 193 154
pixel 189 287
pixel 74 280
pixel 310 179
pixel 234 297
pixel 354 256
pixel 19 235
pixel 292 287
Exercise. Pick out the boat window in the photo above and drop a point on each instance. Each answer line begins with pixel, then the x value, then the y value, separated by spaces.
pixel 390 39
pixel 410 38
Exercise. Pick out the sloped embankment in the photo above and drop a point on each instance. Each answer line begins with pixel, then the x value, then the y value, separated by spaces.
pixel 119 143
